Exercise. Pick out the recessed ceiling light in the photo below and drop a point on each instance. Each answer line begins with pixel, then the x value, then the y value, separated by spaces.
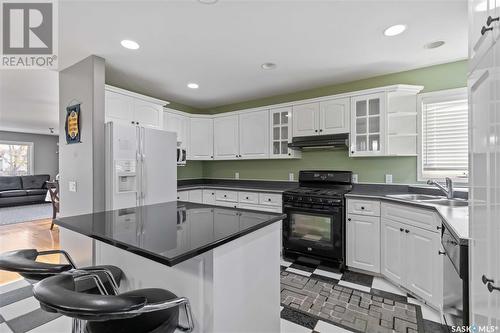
pixel 395 30
pixel 193 85
pixel 268 65
pixel 129 44
pixel 208 2
pixel 434 45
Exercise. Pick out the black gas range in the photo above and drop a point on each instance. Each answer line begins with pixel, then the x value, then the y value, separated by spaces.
pixel 315 223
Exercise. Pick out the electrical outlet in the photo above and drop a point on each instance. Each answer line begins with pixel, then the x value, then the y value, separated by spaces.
pixel 72 186
pixel 388 179
pixel 291 176
pixel 354 177
pixel 236 175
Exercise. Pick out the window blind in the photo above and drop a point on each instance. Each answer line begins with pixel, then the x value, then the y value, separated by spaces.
pixel 445 138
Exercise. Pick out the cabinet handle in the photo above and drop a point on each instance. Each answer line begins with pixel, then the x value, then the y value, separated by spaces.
pixel 269 199
pixel 246 198
pixel 289 154
pixel 213 193
pixel 441 253
pixel 348 219
pixel 485 30
pixel 321 130
pixel 490 20
pixel 133 122
pixel 407 231
pixel 316 131
pixel 439 228
pixel 352 151
pixel 486 280
pixel 362 208
pixel 401 229
pixel 492 287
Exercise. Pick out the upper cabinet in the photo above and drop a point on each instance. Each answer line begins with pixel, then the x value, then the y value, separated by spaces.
pixel 384 123
pixel 254 134
pixel 319 118
pixel 226 138
pixel 127 107
pixel 179 124
pixel 281 133
pixel 201 142
pixel 484 28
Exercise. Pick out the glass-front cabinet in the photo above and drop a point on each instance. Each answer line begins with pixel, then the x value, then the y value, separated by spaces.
pixel 281 133
pixel 367 125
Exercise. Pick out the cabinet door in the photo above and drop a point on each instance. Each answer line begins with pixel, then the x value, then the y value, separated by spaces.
pixel 209 197
pixel 226 138
pixel 201 133
pixel 392 251
pixel 424 266
pixel 148 114
pixel 334 116
pixel 179 124
pixel 363 242
pixel 119 107
pixel 479 43
pixel 254 134
pixel 306 119
pixel 196 196
pixel 281 133
pixel 368 125
pixel 183 195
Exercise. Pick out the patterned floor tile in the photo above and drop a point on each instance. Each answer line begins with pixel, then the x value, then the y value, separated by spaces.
pixel 31 320
pixel 298 318
pixel 358 278
pixel 386 294
pixel 17 309
pixel 333 275
pixel 298 271
pixel 60 325
pixel 4 328
pixel 13 285
pixel 15 295
pixel 433 327
pixel 354 286
pixel 428 313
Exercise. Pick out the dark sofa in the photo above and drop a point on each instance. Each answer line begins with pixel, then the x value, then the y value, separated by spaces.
pixel 21 190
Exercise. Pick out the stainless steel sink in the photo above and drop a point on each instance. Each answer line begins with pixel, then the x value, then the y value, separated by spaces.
pixel 449 202
pixel 415 197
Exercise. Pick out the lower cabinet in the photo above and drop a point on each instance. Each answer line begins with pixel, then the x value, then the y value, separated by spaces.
pixel 410 258
pixel 363 242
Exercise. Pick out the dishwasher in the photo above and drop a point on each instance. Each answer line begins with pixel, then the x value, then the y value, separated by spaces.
pixel 455 280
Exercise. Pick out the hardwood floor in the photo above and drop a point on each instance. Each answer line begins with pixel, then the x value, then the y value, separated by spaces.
pixel 28 235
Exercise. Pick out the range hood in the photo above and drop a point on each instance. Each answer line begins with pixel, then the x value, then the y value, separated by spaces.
pixel 332 141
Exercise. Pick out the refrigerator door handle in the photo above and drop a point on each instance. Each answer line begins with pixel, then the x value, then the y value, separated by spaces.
pixel 143 169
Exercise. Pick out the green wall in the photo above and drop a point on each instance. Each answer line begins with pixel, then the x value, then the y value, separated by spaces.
pixel 369 169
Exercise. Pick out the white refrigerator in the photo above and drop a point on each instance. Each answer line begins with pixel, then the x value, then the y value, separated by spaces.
pixel 141 166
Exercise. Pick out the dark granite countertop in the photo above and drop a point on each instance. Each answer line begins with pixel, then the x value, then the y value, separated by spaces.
pixel 455 218
pixel 171 232
pixel 237 185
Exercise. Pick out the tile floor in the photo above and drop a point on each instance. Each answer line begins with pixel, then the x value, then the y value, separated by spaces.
pixel 20 313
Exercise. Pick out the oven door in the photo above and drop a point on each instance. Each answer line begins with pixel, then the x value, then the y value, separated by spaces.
pixel 318 232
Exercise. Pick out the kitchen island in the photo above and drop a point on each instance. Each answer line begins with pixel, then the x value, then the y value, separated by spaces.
pixel 224 260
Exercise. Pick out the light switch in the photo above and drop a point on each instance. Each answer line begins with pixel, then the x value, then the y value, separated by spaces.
pixel 72 186
pixel 236 175
pixel 388 179
pixel 354 177
pixel 291 176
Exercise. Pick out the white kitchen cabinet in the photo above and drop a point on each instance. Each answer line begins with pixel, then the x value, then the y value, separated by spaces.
pixel 196 196
pixel 254 135
pixel 319 118
pixel 306 119
pixel 481 39
pixel 209 197
pixel 368 125
pixel 334 116
pixel 422 248
pixel 393 259
pixel 363 242
pixel 183 195
pixel 179 124
pixel 201 134
pixel 226 138
pixel 281 122
pixel 130 108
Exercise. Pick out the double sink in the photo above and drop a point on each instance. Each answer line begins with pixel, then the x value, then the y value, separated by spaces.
pixel 431 199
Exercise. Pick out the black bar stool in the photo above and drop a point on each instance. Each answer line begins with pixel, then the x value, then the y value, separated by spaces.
pixel 139 311
pixel 24 262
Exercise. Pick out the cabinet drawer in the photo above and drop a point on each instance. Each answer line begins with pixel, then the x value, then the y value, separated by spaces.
pixel 260 207
pixel 231 196
pixel 209 197
pixel 248 197
pixel 418 217
pixel 363 207
pixel 270 199
pixel 183 195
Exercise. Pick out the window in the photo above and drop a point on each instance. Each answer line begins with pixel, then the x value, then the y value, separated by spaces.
pixel 16 158
pixel 443 135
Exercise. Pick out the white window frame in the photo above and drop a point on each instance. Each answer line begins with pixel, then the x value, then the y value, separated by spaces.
pixel 430 97
pixel 31 152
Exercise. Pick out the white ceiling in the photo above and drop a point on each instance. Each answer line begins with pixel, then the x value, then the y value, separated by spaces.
pixel 222 46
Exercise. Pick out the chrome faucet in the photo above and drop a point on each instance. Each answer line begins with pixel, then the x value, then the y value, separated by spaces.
pixel 448 190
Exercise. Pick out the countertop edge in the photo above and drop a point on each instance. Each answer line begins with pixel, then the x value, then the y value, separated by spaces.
pixel 176 260
pixel 228 187
pixel 463 240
